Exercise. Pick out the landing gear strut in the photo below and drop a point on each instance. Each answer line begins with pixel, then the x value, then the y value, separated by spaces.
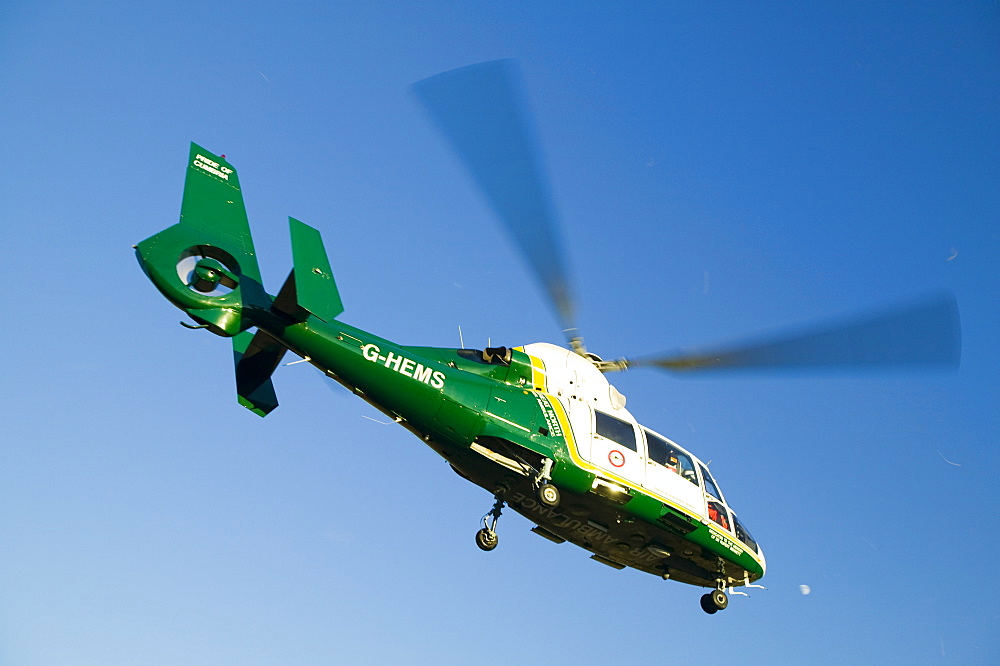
pixel 487 538
pixel 715 601
pixel 548 494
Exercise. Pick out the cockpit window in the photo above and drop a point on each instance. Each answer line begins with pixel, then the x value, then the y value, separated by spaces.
pixel 471 355
pixel 743 535
pixel 678 462
pixel 616 430
pixel 488 356
pixel 710 486
pixel 718 513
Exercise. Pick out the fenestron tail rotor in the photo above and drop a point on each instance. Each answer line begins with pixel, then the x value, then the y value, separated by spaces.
pixel 926 333
pixel 482 113
pixel 201 270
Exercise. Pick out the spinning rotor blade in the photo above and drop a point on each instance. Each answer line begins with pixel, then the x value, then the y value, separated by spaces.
pixel 927 333
pixel 481 112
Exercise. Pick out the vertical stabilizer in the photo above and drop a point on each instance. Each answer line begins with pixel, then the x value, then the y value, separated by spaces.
pixel 206 264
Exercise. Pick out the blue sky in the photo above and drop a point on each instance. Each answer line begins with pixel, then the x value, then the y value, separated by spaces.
pixel 720 170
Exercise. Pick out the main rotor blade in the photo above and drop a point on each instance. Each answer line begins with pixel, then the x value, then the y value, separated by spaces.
pixel 481 112
pixel 927 333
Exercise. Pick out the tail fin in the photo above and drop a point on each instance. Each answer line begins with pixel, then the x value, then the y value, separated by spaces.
pixel 206 264
pixel 256 356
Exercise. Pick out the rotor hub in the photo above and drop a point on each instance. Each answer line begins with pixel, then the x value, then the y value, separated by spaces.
pixel 203 270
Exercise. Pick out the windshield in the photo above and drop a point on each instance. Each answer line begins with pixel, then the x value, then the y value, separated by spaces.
pixel 710 486
pixel 743 535
pixel 718 513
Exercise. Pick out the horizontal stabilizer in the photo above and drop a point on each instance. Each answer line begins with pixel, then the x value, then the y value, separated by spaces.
pixel 310 286
pixel 256 357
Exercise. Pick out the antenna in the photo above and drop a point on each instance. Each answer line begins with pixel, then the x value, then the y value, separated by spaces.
pixel 461 341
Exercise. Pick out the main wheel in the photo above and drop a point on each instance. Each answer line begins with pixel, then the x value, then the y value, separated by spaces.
pixel 487 539
pixel 548 495
pixel 708 605
pixel 720 599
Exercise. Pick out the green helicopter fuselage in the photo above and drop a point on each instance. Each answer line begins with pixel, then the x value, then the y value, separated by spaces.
pixel 508 420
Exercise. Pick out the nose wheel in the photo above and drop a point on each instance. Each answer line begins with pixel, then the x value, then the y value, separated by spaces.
pixel 486 538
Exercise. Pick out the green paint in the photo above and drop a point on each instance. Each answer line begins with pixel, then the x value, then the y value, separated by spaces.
pixel 451 398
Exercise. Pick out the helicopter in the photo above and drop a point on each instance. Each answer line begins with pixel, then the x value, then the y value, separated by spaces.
pixel 538 426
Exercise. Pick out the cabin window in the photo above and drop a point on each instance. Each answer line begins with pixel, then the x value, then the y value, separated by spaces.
pixel 743 535
pixel 663 452
pixel 710 486
pixel 718 513
pixel 618 431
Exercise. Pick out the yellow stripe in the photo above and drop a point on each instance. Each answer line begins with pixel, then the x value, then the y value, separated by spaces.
pixel 537 373
pixel 580 462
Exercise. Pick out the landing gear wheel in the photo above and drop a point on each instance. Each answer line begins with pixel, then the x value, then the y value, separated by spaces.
pixel 487 539
pixel 548 495
pixel 713 602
